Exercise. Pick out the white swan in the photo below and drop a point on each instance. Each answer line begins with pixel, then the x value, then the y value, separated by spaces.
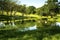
pixel 33 28
pixel 29 28
pixel 57 23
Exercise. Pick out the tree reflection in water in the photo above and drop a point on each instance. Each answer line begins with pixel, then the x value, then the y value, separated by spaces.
pixel 33 32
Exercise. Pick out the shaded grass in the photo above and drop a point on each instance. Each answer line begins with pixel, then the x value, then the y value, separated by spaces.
pixel 38 34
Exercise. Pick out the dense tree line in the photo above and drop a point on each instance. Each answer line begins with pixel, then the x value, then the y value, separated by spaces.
pixel 10 5
pixel 50 8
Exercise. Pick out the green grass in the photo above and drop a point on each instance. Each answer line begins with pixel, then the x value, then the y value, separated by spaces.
pixel 52 37
pixel 42 33
pixel 36 16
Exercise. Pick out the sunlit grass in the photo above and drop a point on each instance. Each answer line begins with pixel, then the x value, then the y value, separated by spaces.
pixel 58 19
pixel 52 37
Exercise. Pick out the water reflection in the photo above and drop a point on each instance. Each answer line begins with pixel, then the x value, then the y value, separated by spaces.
pixel 23 32
pixel 2 24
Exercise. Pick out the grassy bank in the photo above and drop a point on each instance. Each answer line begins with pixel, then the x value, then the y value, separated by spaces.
pixel 39 34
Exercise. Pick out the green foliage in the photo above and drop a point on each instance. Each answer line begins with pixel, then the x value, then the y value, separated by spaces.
pixel 22 8
pixel 53 7
pixel 50 8
pixel 43 9
pixel 30 9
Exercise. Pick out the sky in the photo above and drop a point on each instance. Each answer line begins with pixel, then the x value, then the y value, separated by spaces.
pixel 36 3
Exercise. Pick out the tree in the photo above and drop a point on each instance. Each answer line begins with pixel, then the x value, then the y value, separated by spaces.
pixel 53 7
pixel 59 6
pixel 43 11
pixel 30 9
pixel 8 6
pixel 22 9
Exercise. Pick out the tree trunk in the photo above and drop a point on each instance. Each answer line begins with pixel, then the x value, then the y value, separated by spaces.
pixel 14 15
pixel 2 11
pixel 22 18
pixel 7 17
pixel 11 17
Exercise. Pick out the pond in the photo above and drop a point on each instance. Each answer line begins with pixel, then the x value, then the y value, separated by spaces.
pixel 30 25
pixel 29 31
pixel 34 26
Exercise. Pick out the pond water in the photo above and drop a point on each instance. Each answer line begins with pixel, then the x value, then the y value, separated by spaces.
pixel 33 26
pixel 28 31
pixel 29 25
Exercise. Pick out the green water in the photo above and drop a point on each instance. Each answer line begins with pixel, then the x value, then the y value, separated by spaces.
pixel 43 32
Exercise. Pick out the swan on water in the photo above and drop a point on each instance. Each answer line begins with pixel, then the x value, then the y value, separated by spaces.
pixel 29 28
pixel 57 23
pixel 33 28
